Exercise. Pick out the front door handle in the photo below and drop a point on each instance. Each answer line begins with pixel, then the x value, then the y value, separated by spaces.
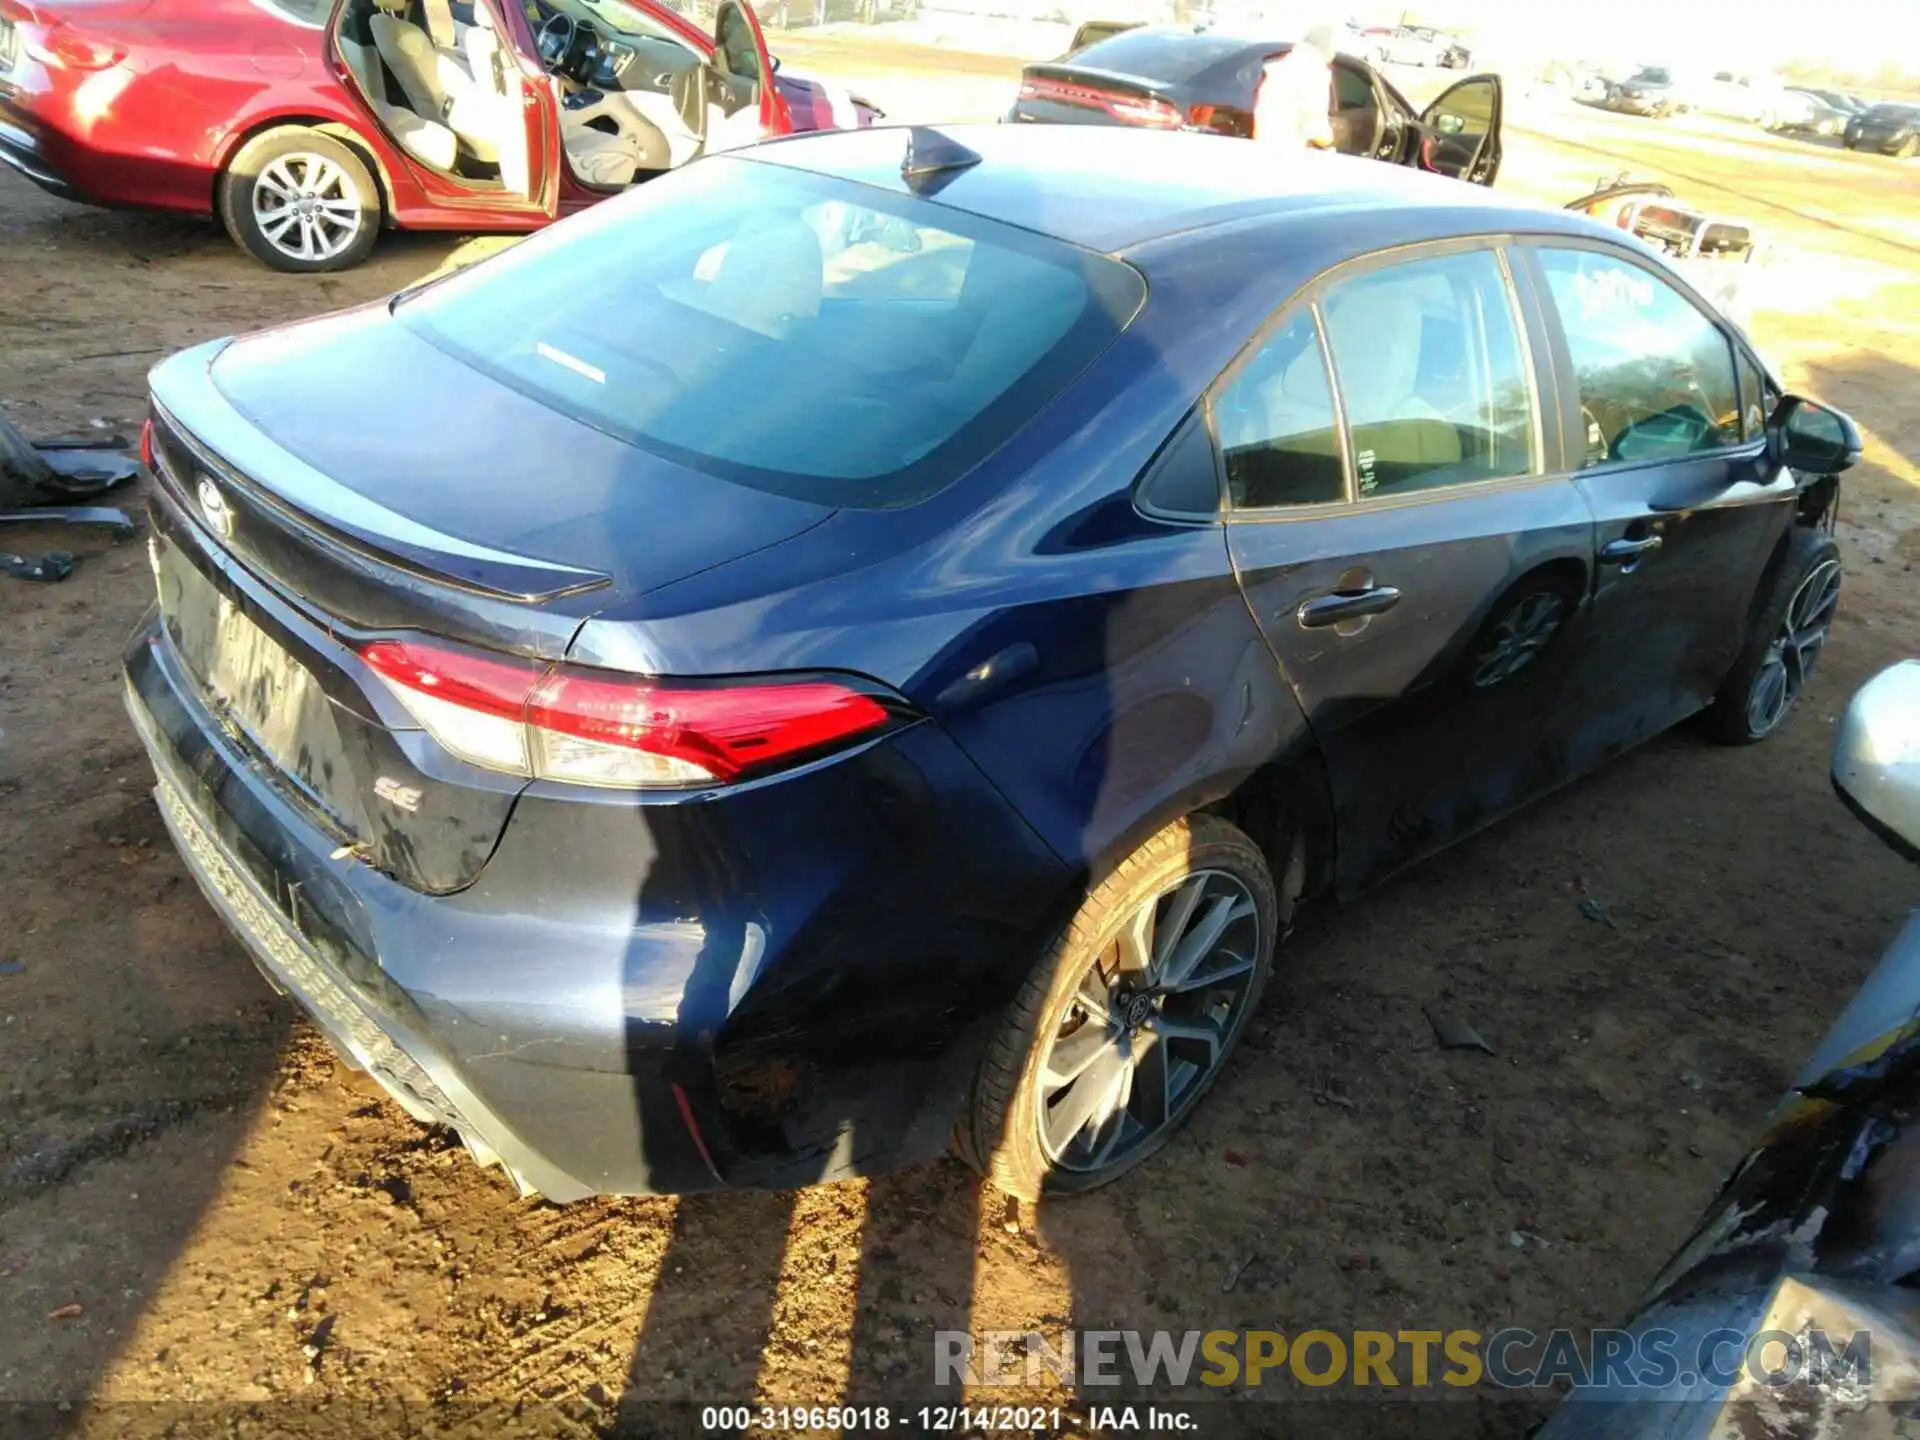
pixel 1625 552
pixel 1342 605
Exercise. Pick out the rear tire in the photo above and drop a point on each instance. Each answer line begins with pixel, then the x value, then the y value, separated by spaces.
pixel 1909 148
pixel 1141 999
pixel 1783 644
pixel 300 201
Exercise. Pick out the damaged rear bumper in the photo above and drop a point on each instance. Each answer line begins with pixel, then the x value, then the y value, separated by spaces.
pixel 316 926
pixel 632 998
pixel 362 1027
pixel 426 1090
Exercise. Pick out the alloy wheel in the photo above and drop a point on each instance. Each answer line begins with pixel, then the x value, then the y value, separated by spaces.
pixel 307 207
pixel 1523 632
pixel 1795 649
pixel 1150 1023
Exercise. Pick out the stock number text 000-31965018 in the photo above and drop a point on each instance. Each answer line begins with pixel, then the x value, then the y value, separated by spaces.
pixel 924 1419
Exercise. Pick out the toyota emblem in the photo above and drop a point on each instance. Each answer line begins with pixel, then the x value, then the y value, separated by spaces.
pixel 213 505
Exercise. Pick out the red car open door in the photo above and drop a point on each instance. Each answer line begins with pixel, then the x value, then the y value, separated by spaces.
pixel 467 108
pixel 745 104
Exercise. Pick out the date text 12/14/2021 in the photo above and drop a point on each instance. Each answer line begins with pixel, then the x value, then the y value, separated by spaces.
pixel 937 1419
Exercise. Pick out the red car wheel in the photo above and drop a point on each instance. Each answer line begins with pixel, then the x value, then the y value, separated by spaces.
pixel 300 201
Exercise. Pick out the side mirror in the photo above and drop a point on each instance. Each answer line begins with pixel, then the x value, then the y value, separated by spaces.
pixel 1812 438
pixel 774 62
pixel 1876 756
pixel 1449 124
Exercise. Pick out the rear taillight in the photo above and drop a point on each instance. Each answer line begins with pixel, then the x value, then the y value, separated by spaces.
pixel 64 48
pixel 1146 112
pixel 1129 109
pixel 146 446
pixel 598 727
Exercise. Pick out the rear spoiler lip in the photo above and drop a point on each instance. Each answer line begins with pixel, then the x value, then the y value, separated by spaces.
pixel 1096 79
pixel 236 450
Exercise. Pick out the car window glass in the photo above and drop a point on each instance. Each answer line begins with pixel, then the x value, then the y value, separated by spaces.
pixel 1172 57
pixel 1464 114
pixel 1656 376
pixel 872 255
pixel 1351 89
pixel 1753 404
pixel 787 331
pixel 1184 479
pixel 1276 425
pixel 1432 373
pixel 608 17
pixel 734 39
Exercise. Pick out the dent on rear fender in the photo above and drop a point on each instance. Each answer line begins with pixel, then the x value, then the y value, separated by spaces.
pixel 1126 709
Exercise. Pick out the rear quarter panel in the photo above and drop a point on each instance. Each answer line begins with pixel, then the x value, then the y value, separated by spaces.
pixel 201 79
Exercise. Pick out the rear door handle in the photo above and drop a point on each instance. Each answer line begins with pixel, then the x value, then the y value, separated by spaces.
pixel 1341 605
pixel 1625 552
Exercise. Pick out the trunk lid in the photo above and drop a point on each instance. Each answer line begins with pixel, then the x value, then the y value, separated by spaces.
pixel 418 456
pixel 1077 94
pixel 314 495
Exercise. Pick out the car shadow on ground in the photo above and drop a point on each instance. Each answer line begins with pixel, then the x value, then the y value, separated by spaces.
pixel 1831 143
pixel 149 238
pixel 1346 1172
pixel 1866 371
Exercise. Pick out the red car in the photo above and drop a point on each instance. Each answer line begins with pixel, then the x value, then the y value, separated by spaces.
pixel 308 125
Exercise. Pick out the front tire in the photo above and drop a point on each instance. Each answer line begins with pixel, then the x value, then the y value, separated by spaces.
pixel 1128 1018
pixel 300 201
pixel 1783 644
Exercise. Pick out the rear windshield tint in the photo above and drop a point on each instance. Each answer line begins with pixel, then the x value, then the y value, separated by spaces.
pixel 1171 57
pixel 784 330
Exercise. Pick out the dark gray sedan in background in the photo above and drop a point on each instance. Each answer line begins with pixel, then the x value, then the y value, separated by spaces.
pixel 1184 77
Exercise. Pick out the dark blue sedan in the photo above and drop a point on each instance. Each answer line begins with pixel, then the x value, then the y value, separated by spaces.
pixel 862 645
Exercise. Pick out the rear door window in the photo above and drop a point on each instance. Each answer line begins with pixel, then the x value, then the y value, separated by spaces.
pixel 1351 90
pixel 1754 406
pixel 786 330
pixel 1433 373
pixel 1276 426
pixel 1655 375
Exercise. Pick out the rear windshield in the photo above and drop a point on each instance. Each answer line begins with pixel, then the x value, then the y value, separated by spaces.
pixel 1171 57
pixel 1654 77
pixel 800 334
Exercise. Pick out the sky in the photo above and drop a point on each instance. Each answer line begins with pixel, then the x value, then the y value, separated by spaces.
pixel 1722 34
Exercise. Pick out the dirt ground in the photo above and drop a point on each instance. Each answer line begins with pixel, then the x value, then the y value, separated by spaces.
pixel 195 1210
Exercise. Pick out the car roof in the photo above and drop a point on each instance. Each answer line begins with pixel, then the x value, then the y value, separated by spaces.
pixel 1228 31
pixel 1112 187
